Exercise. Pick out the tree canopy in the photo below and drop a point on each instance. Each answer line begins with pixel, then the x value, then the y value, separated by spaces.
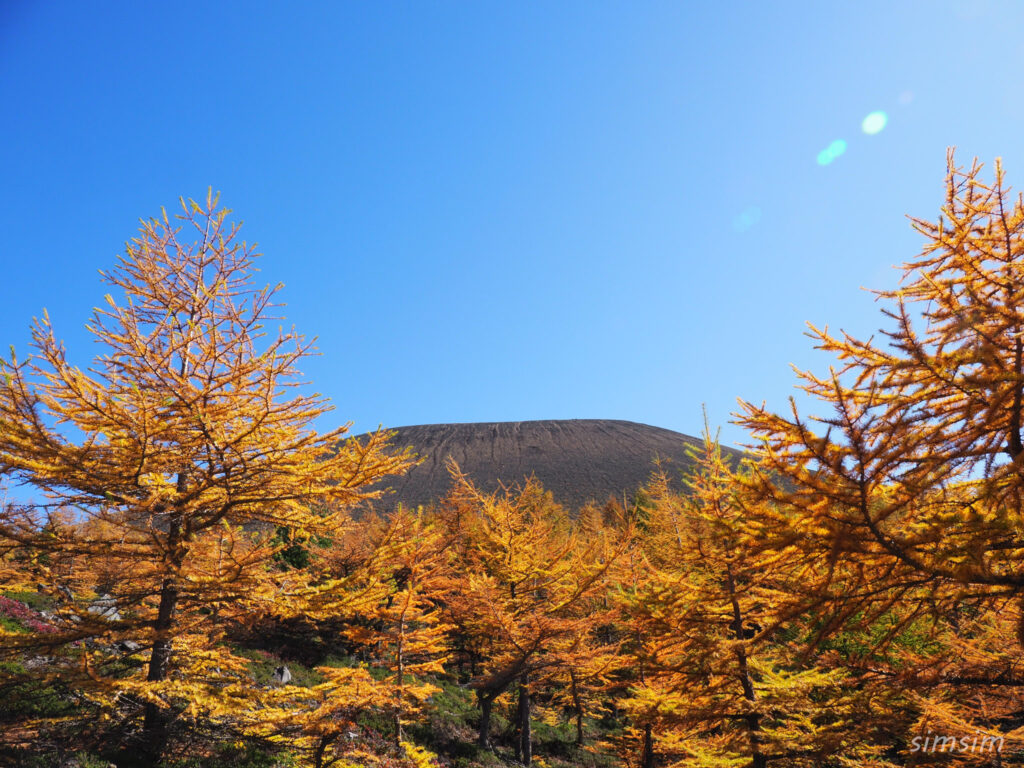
pixel 197 579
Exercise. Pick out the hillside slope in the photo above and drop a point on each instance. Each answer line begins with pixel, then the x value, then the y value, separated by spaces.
pixel 577 460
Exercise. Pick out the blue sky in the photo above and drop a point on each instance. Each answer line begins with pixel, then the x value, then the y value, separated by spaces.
pixel 507 211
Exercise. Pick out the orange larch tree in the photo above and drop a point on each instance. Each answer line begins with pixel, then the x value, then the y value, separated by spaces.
pixel 523 578
pixel 585 680
pixel 179 452
pixel 906 498
pixel 405 630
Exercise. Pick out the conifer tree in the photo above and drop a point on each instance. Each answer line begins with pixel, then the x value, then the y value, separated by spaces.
pixel 587 674
pixel 522 575
pixel 179 451
pixel 718 684
pixel 904 499
pixel 379 595
pixel 405 627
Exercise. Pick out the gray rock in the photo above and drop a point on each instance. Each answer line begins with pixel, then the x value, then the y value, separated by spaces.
pixel 105 606
pixel 63 591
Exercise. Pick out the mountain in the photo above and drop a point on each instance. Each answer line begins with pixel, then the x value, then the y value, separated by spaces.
pixel 576 459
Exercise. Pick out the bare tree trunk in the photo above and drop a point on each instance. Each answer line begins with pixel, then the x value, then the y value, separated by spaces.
pixel 155 726
pixel 486 702
pixel 578 705
pixel 156 721
pixel 647 752
pixel 321 748
pixel 525 746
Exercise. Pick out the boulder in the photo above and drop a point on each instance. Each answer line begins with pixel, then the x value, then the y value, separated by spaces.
pixel 105 607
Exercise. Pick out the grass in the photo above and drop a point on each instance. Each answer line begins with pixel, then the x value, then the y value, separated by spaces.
pixel 12 625
pixel 262 665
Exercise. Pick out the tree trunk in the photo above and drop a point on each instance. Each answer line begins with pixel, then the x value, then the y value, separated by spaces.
pixel 400 678
pixel 156 722
pixel 525 745
pixel 578 705
pixel 1016 447
pixel 486 702
pixel 155 726
pixel 647 752
pixel 753 720
pixel 321 748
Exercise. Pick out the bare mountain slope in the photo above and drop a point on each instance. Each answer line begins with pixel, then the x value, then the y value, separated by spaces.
pixel 577 460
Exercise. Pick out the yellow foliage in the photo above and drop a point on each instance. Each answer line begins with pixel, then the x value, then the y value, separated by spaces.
pixel 179 451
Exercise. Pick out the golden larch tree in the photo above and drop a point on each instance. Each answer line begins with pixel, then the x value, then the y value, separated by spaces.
pixel 718 685
pixel 906 497
pixel 178 451
pixel 402 629
pixel 524 579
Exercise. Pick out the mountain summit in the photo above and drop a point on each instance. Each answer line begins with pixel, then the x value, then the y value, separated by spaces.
pixel 578 460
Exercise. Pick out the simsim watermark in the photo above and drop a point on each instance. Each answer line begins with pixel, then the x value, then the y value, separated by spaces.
pixel 979 742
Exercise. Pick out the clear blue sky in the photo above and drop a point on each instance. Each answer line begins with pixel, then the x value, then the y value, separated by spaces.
pixel 506 211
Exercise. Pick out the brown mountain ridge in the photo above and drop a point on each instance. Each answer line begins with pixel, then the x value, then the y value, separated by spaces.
pixel 578 460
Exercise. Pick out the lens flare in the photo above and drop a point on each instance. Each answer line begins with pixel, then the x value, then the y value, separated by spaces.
pixel 748 218
pixel 831 152
pixel 874 122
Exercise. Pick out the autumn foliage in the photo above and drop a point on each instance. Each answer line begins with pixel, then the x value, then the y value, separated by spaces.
pixel 206 580
pixel 167 466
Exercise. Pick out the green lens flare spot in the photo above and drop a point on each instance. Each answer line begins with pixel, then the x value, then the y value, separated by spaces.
pixel 748 218
pixel 874 122
pixel 831 152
